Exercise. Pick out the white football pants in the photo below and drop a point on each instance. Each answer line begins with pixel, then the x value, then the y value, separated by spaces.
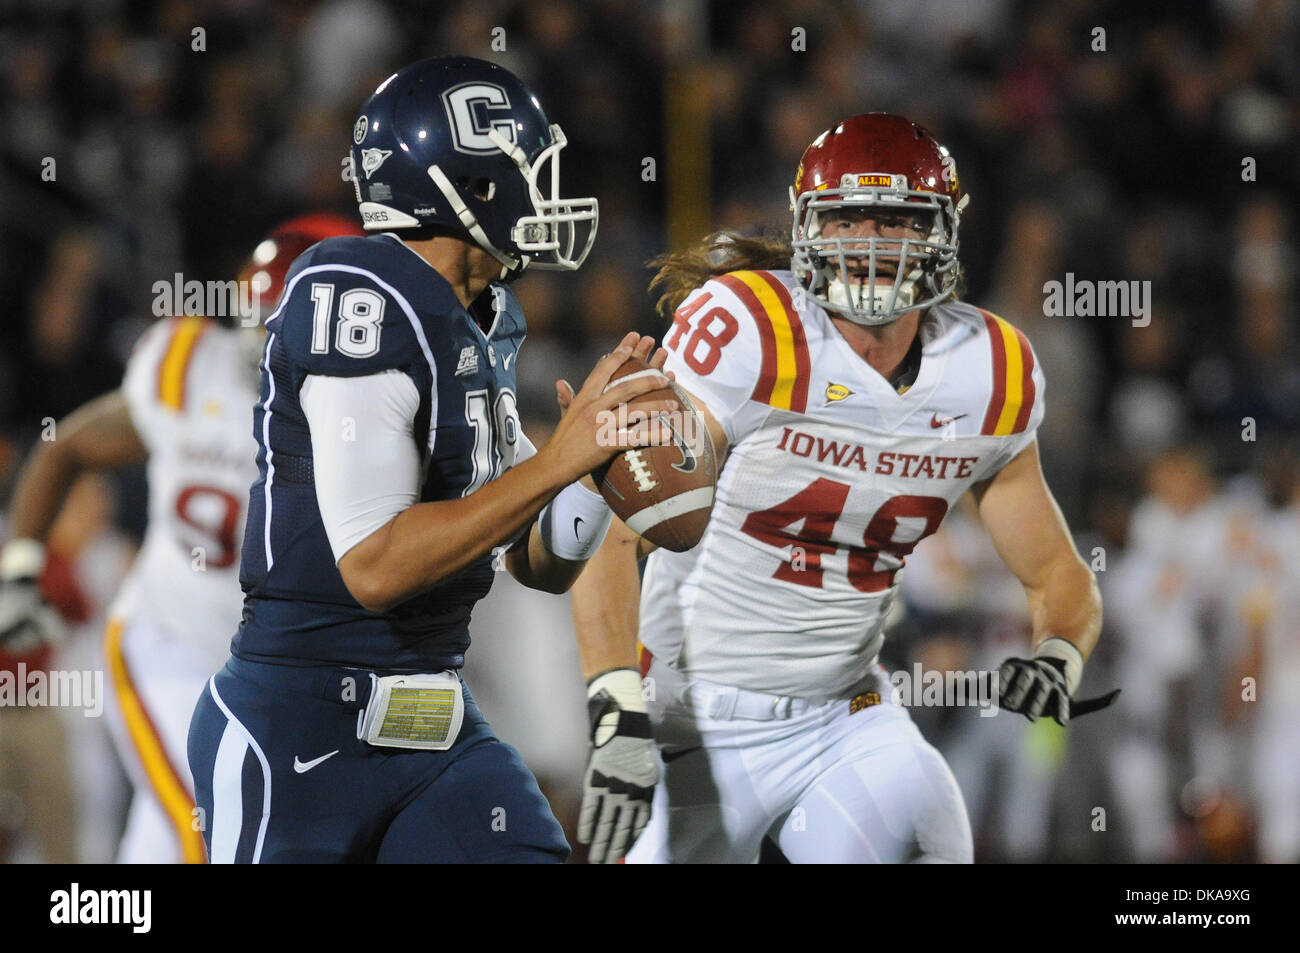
pixel 828 786
pixel 156 682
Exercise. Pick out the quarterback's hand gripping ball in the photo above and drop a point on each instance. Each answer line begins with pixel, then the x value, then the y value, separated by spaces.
pixel 663 493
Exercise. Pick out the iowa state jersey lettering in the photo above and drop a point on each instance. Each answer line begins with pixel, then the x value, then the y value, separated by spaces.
pixel 355 307
pixel 842 453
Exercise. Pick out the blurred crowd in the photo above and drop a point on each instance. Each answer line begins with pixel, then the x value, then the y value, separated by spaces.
pixel 1110 140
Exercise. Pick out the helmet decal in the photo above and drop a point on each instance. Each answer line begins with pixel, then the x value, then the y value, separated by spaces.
pixel 473 109
pixel 372 159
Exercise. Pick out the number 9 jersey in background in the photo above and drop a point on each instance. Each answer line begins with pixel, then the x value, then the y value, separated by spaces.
pixel 831 480
pixel 360 307
pixel 189 387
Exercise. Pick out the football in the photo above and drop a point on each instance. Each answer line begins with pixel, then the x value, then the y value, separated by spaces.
pixel 665 493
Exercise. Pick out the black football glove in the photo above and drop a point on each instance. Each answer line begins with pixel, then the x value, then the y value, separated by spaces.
pixel 1042 685
pixel 622 770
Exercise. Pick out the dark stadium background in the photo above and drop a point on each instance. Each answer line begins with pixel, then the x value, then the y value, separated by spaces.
pixel 1125 165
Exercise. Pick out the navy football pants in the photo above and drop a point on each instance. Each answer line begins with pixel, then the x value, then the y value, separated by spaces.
pixel 281 777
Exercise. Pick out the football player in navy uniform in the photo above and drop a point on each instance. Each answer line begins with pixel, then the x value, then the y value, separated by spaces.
pixel 391 465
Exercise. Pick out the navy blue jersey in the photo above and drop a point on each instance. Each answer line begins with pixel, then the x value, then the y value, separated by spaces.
pixel 353 307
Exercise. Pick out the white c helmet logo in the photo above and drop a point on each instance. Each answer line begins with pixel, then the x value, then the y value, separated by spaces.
pixel 469 109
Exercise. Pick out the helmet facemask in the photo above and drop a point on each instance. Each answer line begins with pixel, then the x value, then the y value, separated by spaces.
pixel 547 239
pixel 925 266
pixel 559 225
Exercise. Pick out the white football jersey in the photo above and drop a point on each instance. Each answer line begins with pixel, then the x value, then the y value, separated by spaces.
pixel 832 478
pixel 190 389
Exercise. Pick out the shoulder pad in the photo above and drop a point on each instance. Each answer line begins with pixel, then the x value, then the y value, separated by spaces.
pixel 766 301
pixel 1014 392
pixel 159 365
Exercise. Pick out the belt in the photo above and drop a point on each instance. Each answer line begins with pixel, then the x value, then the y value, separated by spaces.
pixel 725 702
pixel 349 687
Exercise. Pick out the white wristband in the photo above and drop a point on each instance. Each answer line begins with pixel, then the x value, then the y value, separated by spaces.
pixel 1068 653
pixel 573 524
pixel 22 559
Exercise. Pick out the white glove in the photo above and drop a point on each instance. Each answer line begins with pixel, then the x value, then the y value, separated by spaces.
pixel 622 770
pixel 27 621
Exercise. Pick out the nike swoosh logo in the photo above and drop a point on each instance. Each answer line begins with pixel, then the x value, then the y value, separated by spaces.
pixel 670 756
pixel 506 359
pixel 936 423
pixel 688 463
pixel 303 766
pixel 576 521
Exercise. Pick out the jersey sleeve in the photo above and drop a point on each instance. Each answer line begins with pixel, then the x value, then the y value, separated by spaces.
pixel 339 319
pixel 154 383
pixel 366 459
pixel 525 450
pixel 1016 402
pixel 720 348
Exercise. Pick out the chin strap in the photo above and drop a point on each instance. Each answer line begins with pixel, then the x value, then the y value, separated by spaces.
pixel 470 223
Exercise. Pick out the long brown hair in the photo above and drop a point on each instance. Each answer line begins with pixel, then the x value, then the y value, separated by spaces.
pixel 681 272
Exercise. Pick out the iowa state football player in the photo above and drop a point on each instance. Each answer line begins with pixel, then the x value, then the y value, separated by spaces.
pixel 854 400
pixel 185 406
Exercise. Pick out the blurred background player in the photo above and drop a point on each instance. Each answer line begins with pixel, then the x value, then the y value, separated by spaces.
pixel 857 401
pixel 391 464
pixel 185 405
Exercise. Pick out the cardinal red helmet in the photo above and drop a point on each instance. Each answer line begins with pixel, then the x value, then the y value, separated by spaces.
pixel 267 266
pixel 897 172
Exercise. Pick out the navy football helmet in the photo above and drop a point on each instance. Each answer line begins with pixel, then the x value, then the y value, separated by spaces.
pixel 461 143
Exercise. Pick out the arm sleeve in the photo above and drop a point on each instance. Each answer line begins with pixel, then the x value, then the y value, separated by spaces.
pixel 714 351
pixel 365 455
